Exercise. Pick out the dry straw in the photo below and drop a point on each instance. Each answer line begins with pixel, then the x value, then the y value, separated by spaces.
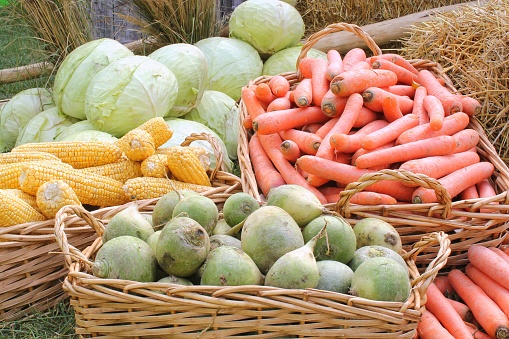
pixel 471 45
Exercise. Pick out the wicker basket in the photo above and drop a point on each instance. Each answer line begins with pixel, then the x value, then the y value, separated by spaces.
pixel 112 308
pixel 462 220
pixel 32 267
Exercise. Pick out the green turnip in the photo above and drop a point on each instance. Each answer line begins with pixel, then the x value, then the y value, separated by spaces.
pixel 199 208
pixel 129 221
pixel 366 252
pixel 163 209
pixel 334 276
pixel 373 231
pixel 237 207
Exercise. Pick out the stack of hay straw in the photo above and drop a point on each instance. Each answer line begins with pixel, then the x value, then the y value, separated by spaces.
pixel 472 45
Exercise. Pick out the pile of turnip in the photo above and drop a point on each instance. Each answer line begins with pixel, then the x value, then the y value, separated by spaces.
pixel 290 242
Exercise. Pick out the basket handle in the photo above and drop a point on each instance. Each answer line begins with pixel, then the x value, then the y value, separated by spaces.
pixel 343 206
pixel 218 152
pixel 70 252
pixel 334 28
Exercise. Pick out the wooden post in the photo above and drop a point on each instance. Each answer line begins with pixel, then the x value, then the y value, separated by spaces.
pixel 108 22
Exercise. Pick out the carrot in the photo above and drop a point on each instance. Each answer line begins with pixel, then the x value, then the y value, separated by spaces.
pixel 469 193
pixel 362 151
pixel 450 102
pixel 441 165
pixel 442 309
pixel 456 181
pixel 486 190
pixel 366 116
pixel 470 106
pixel 279 104
pixel 485 310
pixel 303 93
pixel 433 106
pixel 279 85
pixel 404 90
pixel 360 65
pixel 500 253
pixel 335 64
pixel 312 128
pixel 361 198
pixel 389 132
pixel 270 144
pixel 462 309
pixel 333 105
pixel 465 140
pixel 452 124
pixel 319 81
pixel 307 142
pixel 356 81
pixel 390 108
pixel 441 145
pixel 404 76
pixel 305 67
pixel 247 122
pixel 326 127
pixel 352 57
pixel 373 97
pixel 277 121
pixel 443 284
pixel 349 143
pixel 418 109
pixel 253 105
pixel 476 332
pixel 401 61
pixel 490 263
pixel 343 125
pixel 264 93
pixel 290 150
pixel 430 328
pixel 266 174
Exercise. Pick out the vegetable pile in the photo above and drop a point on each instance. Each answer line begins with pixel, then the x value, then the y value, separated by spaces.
pixel 351 115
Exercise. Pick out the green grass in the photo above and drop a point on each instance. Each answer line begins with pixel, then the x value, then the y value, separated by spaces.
pixel 19 48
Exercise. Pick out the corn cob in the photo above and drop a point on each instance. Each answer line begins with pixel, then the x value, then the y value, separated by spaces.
pixel 150 187
pixel 155 166
pixel 158 129
pixel 9 173
pixel 13 157
pixel 201 152
pixel 79 154
pixel 91 189
pixel 121 170
pixel 14 210
pixel 185 166
pixel 137 144
pixel 53 195
pixel 28 198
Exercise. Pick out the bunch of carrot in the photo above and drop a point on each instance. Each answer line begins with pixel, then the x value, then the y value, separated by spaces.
pixel 470 303
pixel 352 114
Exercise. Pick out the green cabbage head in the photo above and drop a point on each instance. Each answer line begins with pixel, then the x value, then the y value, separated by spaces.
pixel 286 60
pixel 78 68
pixel 267 25
pixel 128 92
pixel 189 65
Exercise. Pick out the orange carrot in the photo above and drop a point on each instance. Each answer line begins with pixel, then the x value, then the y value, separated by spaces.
pixel 490 263
pixel 349 143
pixel 303 93
pixel 343 125
pixel 319 81
pixel 270 144
pixel 443 284
pixel 437 304
pixel 312 128
pixel 326 127
pixel 277 121
pixel 485 310
pixel 356 81
pixel 253 105
pixel 266 174
pixel 433 106
pixel 366 116
pixel 279 104
pixel 373 97
pixel 390 108
pixel 465 140
pixel 486 190
pixel 305 67
pixel 420 93
pixel 469 193
pixel 404 76
pixel 441 145
pixel 264 93
pixel 401 61
pixel 452 124
pixel 335 64
pixel 441 165
pixel 456 181
pixel 279 85
pixel 361 198
pixel 390 132
pixel 404 90
pixel 352 57
pixel 450 102
pixel 362 151
pixel 290 150
pixel 462 309
pixel 430 328
pixel 500 253
pixel 476 331
pixel 470 105
pixel 307 142
pixel 333 105
pixel 360 65
pixel 247 122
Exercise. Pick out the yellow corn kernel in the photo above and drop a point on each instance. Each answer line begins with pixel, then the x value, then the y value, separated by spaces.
pixel 79 154
pixel 28 198
pixel 13 157
pixel 14 210
pixel 137 144
pixel 121 170
pixel 158 129
pixel 150 187
pixel 9 173
pixel 155 166
pixel 91 189
pixel 185 166
pixel 53 195
pixel 202 153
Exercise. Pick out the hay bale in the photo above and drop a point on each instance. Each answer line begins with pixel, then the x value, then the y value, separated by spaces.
pixel 471 45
